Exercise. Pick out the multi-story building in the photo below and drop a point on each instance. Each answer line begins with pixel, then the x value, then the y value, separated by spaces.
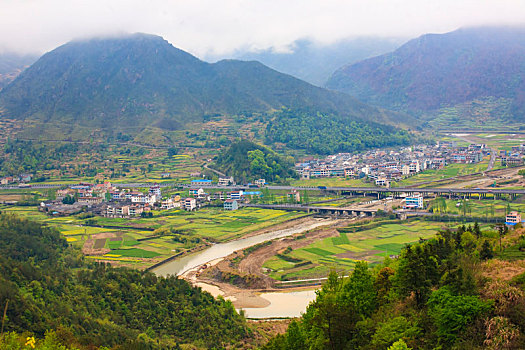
pixel 189 204
pixel 414 202
pixel 231 204
pixel 513 218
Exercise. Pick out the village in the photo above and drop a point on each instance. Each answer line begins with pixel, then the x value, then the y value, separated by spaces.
pixel 379 167
pixel 108 200
pixel 382 167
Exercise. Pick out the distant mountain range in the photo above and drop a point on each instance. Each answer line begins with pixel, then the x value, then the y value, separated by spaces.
pixel 12 64
pixel 128 83
pixel 436 71
pixel 314 62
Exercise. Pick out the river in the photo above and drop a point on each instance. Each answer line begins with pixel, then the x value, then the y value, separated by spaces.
pixel 281 304
pixel 221 250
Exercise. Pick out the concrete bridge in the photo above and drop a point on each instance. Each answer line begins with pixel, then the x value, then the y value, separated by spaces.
pixel 332 211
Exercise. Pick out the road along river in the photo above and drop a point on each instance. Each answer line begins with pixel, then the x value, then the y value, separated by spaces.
pixel 277 304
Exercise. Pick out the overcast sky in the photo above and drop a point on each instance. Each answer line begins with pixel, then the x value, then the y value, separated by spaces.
pixel 219 27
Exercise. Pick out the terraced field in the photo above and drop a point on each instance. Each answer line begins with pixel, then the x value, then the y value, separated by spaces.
pixel 340 253
pixel 136 243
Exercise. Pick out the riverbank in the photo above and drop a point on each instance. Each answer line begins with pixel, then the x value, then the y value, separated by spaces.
pixel 265 302
pixel 221 250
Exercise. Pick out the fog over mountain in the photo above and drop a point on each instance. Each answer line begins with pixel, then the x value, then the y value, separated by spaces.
pixel 315 62
pixel 140 80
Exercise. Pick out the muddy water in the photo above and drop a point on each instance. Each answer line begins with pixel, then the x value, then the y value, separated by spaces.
pixel 282 304
pixel 189 262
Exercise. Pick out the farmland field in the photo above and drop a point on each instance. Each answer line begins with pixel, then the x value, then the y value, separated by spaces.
pixel 176 231
pixel 340 253
pixel 450 170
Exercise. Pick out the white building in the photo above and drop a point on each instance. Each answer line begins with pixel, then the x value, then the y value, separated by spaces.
pixel 225 181
pixel 231 205
pixel 169 203
pixel 189 204
pixel 382 181
pixel 414 202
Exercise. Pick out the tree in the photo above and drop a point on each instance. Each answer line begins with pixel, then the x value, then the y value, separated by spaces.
pixel 394 329
pixel 172 151
pixel 383 283
pixel 331 317
pixel 476 230
pixel 399 345
pixel 486 251
pixel 359 289
pixel 68 200
pixel 502 231
pixel 294 337
pixel 417 273
pixel 453 313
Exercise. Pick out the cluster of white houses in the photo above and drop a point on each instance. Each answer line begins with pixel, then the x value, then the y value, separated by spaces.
pixel 383 166
pixel 110 201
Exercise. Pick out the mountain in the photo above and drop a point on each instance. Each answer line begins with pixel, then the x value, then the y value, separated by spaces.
pixel 12 64
pixel 436 71
pixel 138 81
pixel 314 62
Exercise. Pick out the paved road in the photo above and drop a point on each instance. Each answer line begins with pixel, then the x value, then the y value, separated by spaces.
pixel 492 159
pixel 319 188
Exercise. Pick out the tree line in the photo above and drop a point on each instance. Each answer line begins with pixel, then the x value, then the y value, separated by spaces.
pixel 320 133
pixel 49 287
pixel 432 297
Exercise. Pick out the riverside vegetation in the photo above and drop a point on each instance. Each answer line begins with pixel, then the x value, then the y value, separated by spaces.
pixel 443 293
pixel 51 291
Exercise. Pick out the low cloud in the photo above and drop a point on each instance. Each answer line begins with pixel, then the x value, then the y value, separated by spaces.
pixel 211 27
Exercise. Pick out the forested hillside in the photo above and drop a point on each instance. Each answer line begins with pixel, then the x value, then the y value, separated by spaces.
pixel 443 70
pixel 139 81
pixel 247 161
pixel 443 293
pixel 49 287
pixel 327 133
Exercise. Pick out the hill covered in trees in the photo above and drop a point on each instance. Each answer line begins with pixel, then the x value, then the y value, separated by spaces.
pixel 443 70
pixel 247 161
pixel 126 84
pixel 50 288
pixel 442 293
pixel 327 133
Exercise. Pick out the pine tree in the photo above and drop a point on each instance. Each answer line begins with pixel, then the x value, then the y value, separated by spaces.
pixel 476 230
pixel 486 251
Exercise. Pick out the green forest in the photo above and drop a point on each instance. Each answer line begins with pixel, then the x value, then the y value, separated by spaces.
pixel 432 297
pixel 247 161
pixel 328 133
pixel 51 292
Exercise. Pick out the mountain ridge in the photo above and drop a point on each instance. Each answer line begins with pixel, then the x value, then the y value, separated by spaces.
pixel 440 70
pixel 141 80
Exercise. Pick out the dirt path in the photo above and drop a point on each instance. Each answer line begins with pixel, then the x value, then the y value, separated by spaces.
pixel 252 265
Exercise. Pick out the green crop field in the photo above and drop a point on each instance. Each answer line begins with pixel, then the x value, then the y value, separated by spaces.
pixel 450 170
pixel 372 245
pixel 478 208
pixel 193 229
